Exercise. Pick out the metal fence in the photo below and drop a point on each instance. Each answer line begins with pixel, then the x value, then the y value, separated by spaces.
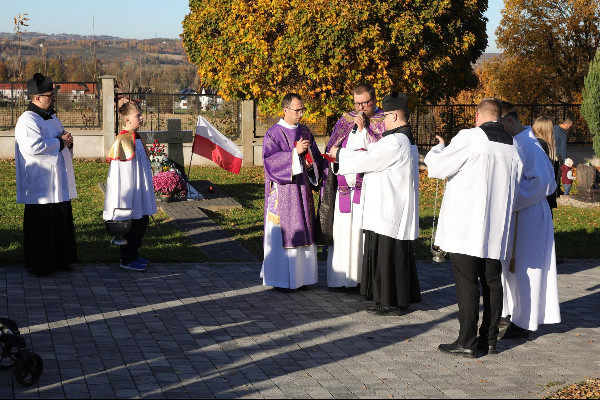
pixel 157 108
pixel 427 121
pixel 446 120
pixel 77 104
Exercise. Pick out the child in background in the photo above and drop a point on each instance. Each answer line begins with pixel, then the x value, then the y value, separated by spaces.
pixel 129 187
pixel 567 178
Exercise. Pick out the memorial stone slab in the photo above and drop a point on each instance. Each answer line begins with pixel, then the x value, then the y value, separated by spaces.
pixel 587 184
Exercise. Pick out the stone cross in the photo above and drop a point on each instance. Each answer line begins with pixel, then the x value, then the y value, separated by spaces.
pixel 174 138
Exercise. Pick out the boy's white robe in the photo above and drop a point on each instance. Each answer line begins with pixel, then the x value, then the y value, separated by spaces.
pixel 129 186
pixel 531 292
pixel 477 206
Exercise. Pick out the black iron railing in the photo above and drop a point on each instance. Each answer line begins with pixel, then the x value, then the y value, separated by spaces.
pixel 77 104
pixel 157 108
pixel 447 119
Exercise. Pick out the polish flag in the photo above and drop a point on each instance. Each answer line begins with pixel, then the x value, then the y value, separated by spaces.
pixel 212 144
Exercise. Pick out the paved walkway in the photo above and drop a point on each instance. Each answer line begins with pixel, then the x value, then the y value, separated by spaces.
pixel 212 330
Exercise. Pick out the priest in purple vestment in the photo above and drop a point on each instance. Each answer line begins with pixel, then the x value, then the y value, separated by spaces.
pixel 293 165
pixel 340 208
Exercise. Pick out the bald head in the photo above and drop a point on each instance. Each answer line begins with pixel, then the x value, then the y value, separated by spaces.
pixel 489 109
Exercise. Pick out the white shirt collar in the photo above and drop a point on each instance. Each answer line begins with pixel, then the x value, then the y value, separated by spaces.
pixel 286 125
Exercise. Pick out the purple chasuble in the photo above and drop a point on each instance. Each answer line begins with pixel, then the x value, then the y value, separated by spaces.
pixel 294 201
pixel 339 137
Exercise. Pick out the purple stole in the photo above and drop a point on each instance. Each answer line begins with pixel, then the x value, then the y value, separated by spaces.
pixel 345 191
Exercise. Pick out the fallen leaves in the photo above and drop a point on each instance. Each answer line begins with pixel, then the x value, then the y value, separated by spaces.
pixel 588 389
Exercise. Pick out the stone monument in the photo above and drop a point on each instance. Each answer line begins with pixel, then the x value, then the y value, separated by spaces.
pixel 587 184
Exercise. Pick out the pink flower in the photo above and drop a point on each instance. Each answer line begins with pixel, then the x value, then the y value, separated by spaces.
pixel 169 182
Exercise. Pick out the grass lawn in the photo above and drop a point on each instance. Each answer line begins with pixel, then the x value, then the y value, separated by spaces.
pixel 577 229
pixel 162 244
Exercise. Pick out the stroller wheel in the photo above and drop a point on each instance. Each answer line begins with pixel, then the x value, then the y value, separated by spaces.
pixel 29 369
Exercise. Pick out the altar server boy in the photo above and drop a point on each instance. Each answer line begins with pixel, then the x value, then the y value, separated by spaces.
pixel 391 208
pixel 129 188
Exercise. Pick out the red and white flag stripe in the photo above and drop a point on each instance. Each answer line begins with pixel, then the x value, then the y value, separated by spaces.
pixel 212 144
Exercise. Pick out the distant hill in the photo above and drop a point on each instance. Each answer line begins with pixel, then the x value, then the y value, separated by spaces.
pixel 105 48
pixel 60 36
pixel 486 56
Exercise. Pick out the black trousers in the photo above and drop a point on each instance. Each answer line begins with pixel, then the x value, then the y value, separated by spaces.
pixel 389 271
pixel 130 251
pixel 48 236
pixel 468 271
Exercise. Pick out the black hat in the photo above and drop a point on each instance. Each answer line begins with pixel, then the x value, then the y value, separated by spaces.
pixel 39 84
pixel 395 101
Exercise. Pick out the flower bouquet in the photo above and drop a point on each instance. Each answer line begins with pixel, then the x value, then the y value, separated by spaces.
pixel 169 183
pixel 158 158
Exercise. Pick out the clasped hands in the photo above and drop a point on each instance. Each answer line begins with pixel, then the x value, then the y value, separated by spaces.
pixel 67 138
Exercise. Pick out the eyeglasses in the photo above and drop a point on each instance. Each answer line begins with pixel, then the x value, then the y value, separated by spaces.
pixel 47 95
pixel 298 110
pixel 386 114
pixel 363 103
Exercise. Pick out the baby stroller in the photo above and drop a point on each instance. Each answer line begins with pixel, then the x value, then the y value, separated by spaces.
pixel 28 366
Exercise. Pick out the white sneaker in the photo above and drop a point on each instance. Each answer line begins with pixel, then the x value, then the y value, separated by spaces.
pixel 134 266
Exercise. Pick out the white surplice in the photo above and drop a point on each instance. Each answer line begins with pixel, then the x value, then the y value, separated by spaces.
pixel 476 210
pixel 531 292
pixel 44 172
pixel 129 186
pixel 390 187
pixel 344 257
pixel 284 267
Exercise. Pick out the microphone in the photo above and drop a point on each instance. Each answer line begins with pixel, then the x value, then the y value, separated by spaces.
pixel 355 128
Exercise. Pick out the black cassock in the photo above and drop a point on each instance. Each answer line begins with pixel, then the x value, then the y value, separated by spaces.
pixel 49 237
pixel 389 272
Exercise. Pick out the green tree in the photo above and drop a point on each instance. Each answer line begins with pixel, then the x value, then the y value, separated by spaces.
pixel 321 49
pixel 549 43
pixel 590 107
pixel 56 70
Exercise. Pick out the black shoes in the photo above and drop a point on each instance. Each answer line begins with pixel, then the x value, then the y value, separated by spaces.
pixel 515 332
pixel 384 310
pixel 485 347
pixel 456 349
pixel 337 289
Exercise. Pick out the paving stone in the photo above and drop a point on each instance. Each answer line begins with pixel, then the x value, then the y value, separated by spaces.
pixel 225 335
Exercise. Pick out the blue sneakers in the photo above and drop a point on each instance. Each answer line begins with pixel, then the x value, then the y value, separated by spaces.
pixel 134 266
pixel 143 261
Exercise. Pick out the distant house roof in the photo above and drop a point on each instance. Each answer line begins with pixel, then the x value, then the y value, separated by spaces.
pixel 70 87
pixel 183 94
pixel 15 86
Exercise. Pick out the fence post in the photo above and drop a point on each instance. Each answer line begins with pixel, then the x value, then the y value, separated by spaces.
pixel 247 132
pixel 108 111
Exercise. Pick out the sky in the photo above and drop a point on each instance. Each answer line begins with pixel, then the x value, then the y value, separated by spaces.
pixel 133 19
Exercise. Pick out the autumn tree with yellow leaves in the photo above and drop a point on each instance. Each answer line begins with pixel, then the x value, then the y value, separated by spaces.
pixel 262 49
pixel 547 48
